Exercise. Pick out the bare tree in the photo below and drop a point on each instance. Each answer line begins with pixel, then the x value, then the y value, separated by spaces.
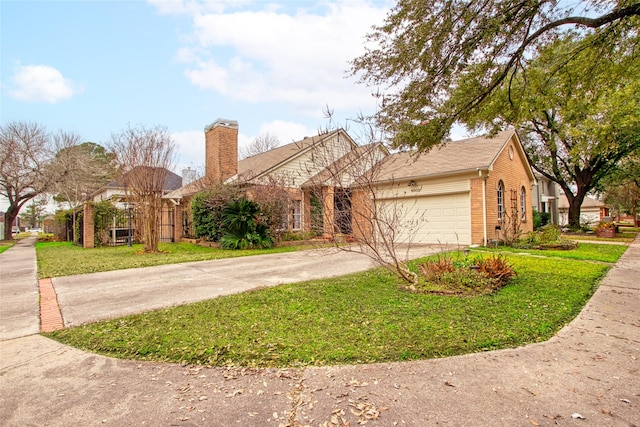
pixel 145 155
pixel 260 144
pixel 25 149
pixel 357 204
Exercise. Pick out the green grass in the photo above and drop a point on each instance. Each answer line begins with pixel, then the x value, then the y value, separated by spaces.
pixel 57 259
pixel 585 251
pixel 359 318
pixel 6 244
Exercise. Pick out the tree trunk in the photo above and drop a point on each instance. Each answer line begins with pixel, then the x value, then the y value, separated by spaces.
pixel 10 216
pixel 575 203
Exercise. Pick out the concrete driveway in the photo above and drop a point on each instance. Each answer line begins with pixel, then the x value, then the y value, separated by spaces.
pixel 91 297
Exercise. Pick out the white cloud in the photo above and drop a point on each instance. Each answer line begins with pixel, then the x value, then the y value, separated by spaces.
pixel 295 56
pixel 42 83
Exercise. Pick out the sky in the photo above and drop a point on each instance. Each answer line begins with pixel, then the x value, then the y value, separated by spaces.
pixel 96 67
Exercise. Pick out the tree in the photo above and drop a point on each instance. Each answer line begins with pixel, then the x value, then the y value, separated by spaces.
pixel 260 144
pixel 34 212
pixel 79 169
pixel 622 188
pixel 349 187
pixel 25 149
pixel 426 49
pixel 271 194
pixel 145 156
pixel 578 112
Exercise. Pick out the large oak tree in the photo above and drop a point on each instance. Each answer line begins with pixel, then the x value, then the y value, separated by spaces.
pixel 418 54
pixel 577 110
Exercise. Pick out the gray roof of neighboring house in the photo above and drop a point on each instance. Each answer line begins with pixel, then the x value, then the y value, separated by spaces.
pixel 588 202
pixel 172 181
pixel 448 158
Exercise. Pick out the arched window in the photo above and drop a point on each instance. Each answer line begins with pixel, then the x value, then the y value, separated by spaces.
pixel 500 200
pixel 523 204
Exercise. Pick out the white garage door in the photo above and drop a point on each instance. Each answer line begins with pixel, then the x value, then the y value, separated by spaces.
pixel 435 219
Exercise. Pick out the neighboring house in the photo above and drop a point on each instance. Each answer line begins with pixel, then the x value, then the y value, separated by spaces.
pixel 544 196
pixel 592 211
pixel 117 230
pixel 115 190
pixel 462 192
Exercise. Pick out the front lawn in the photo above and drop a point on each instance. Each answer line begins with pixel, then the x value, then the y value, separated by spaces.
pixel 57 259
pixel 585 251
pixel 359 318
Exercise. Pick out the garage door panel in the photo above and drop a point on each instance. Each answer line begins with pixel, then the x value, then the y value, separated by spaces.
pixel 436 219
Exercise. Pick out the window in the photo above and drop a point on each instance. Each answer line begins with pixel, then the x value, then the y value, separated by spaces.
pixel 295 215
pixel 500 200
pixel 523 204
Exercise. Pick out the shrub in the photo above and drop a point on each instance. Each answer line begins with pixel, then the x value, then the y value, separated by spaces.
pixel 540 219
pixel 549 236
pixel 207 210
pixel 468 276
pixel 497 268
pixel 242 228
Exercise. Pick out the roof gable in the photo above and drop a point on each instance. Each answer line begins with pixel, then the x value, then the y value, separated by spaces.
pixel 288 156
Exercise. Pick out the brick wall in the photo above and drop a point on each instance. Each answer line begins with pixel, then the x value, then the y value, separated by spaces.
pixel 221 153
pixel 510 167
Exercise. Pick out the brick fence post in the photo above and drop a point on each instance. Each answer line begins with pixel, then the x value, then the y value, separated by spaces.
pixel 177 223
pixel 88 226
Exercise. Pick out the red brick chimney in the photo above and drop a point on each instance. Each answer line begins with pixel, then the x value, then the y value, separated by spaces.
pixel 221 153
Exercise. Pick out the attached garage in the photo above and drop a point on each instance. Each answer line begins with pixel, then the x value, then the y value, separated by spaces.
pixel 450 195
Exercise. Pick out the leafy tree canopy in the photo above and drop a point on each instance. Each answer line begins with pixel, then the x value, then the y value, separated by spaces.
pixel 426 50
pixel 578 111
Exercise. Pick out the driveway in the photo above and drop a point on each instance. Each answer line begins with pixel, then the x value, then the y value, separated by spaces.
pixel 90 297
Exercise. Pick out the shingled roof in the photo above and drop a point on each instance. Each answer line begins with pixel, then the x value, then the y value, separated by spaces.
pixel 259 164
pixel 446 159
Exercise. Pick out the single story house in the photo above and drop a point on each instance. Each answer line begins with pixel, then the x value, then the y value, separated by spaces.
pixel 302 167
pixel 462 192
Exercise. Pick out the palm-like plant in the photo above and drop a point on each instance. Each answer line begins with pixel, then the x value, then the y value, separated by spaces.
pixel 242 227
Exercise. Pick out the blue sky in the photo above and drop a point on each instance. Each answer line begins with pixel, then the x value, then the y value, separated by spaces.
pixel 93 67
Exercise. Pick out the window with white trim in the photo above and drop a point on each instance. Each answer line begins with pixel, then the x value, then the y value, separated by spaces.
pixel 296 215
pixel 500 200
pixel 523 204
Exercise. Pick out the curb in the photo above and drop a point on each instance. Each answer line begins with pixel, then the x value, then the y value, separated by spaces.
pixel 50 315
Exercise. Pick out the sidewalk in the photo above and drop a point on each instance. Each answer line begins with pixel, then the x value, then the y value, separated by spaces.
pixel 589 371
pixel 19 307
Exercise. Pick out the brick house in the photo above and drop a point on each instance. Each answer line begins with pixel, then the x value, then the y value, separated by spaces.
pixel 462 192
